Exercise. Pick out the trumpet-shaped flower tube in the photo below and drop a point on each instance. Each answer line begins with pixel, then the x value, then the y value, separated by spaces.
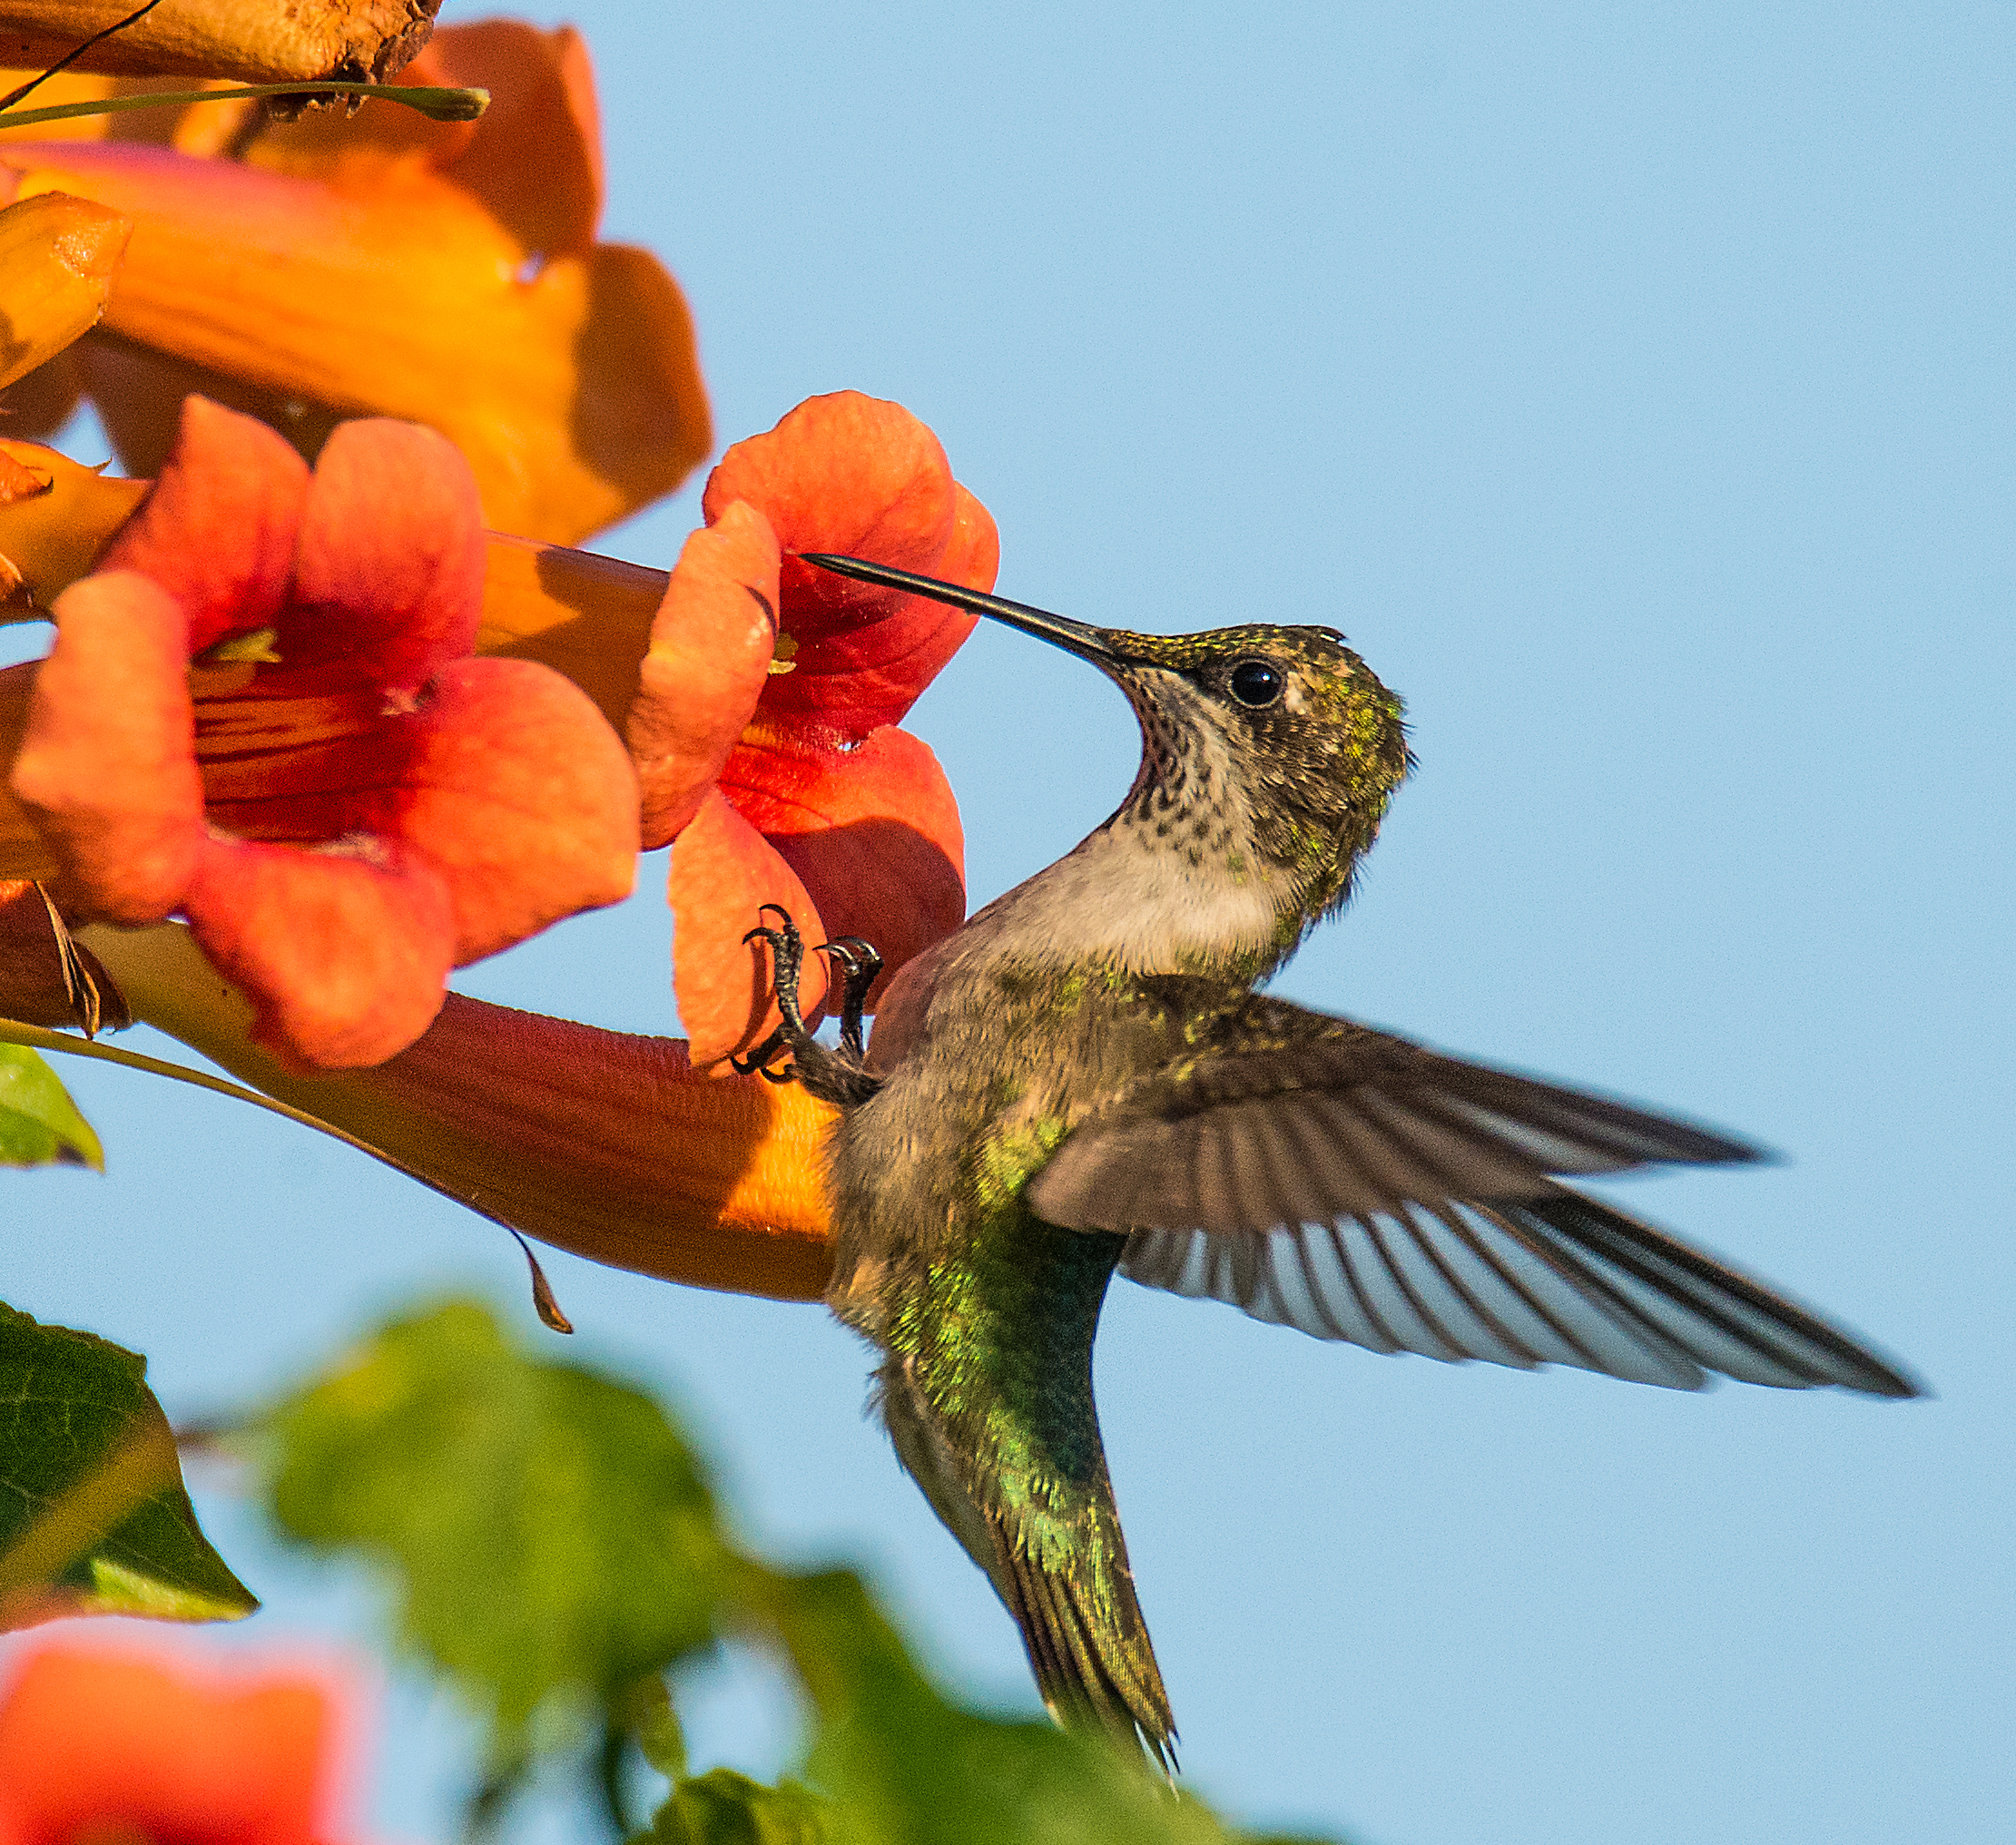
pixel 445 273
pixel 764 727
pixel 606 1143
pixel 257 713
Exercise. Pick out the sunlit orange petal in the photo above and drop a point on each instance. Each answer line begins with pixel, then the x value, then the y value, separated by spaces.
pixel 872 833
pixel 601 1143
pixel 535 156
pixel 344 957
pixel 523 795
pixel 217 533
pixel 722 871
pixel 574 390
pixel 107 765
pixel 389 565
pixel 710 653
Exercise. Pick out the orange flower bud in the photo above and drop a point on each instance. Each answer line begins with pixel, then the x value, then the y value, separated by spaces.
pixel 57 256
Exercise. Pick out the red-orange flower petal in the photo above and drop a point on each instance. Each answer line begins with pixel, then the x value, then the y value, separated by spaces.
pixel 99 1744
pixel 722 871
pixel 388 563
pixel 217 533
pixel 855 475
pixel 514 772
pixel 107 767
pixel 834 803
pixel 872 833
pixel 349 956
pixel 710 651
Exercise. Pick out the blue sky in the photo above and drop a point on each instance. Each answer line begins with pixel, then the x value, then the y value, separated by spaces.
pixel 1633 385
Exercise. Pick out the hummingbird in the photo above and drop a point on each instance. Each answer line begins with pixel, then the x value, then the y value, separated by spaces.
pixel 1082 1080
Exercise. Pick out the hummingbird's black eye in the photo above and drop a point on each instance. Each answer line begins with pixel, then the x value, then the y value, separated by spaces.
pixel 1256 682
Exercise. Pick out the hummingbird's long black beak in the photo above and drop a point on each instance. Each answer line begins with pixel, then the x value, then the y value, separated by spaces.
pixel 1075 637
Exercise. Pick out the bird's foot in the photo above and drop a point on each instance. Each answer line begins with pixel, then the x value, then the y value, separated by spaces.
pixel 834 1076
pixel 787 959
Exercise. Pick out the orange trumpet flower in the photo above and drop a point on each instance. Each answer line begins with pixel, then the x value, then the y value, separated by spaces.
pixel 443 273
pixel 257 713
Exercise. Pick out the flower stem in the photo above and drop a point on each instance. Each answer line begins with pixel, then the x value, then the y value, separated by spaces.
pixel 437 104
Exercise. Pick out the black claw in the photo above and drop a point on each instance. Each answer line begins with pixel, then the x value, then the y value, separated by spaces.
pixel 860 961
pixel 760 1055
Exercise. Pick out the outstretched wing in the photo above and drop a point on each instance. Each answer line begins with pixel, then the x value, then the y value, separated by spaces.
pixel 1355 1185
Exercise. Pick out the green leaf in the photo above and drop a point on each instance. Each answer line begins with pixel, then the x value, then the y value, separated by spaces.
pixel 93 1520
pixel 549 1530
pixel 39 1124
pixel 724 1808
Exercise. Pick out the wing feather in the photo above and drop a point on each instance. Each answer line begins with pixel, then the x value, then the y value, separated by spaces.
pixel 1197 1146
pixel 1356 1186
pixel 1555 1280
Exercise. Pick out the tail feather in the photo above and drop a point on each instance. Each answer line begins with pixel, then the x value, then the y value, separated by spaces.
pixel 1088 1647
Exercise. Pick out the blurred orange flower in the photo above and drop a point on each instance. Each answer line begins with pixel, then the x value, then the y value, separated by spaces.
pixel 258 712
pixel 98 1745
pixel 764 726
pixel 383 264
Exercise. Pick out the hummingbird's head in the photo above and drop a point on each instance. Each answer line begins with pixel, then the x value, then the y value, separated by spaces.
pixel 1274 741
pixel 1270 751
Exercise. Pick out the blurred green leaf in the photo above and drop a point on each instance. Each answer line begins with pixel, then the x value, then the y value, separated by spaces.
pixel 550 1531
pixel 653 1725
pixel 556 1547
pixel 40 1126
pixel 93 1520
pixel 724 1808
